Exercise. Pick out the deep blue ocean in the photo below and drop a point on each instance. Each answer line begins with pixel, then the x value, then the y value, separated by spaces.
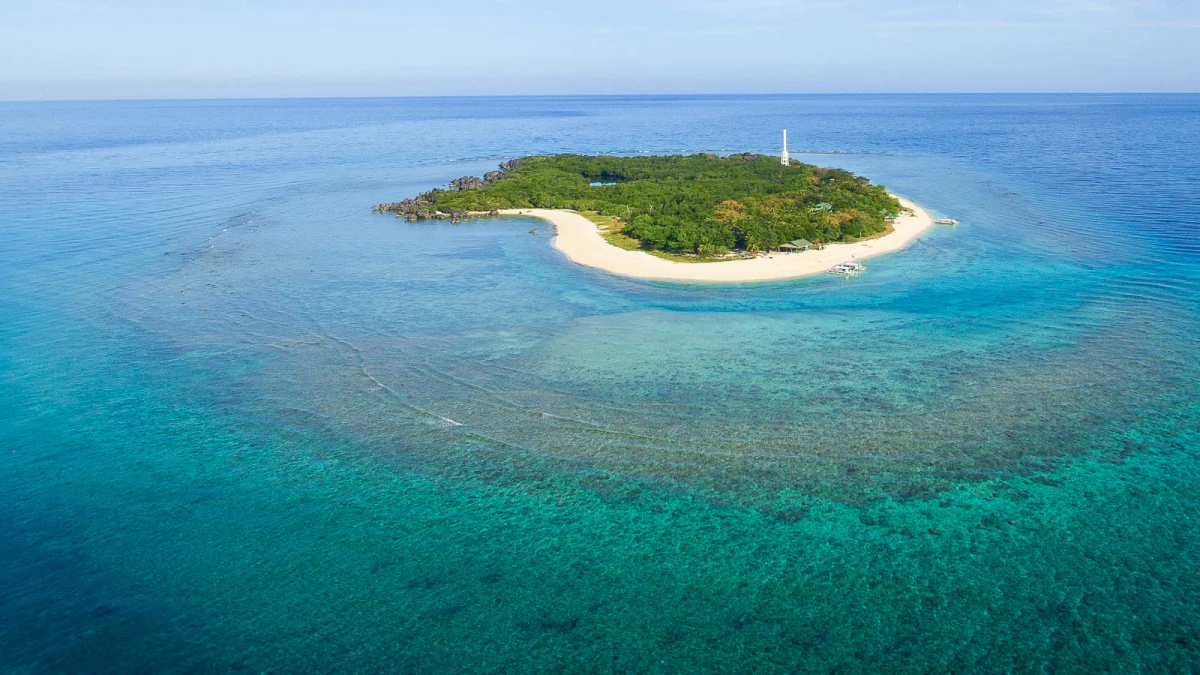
pixel 248 425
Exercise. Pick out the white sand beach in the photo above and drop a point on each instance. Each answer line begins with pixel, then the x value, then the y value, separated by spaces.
pixel 578 239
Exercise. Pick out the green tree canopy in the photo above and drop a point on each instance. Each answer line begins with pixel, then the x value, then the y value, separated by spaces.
pixel 680 204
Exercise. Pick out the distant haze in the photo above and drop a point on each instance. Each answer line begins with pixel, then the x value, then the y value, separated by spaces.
pixel 66 49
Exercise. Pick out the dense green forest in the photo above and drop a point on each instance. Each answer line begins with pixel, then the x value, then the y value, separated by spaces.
pixel 698 204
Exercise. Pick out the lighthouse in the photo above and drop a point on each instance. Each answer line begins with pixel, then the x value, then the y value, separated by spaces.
pixel 783 156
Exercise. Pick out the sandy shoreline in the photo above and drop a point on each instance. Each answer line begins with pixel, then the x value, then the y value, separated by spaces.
pixel 578 239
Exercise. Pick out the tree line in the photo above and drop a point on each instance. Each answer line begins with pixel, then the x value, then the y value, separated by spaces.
pixel 698 204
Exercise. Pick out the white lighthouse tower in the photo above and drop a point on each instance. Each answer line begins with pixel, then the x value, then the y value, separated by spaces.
pixel 783 157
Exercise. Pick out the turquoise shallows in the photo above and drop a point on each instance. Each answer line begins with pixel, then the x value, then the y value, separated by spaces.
pixel 246 424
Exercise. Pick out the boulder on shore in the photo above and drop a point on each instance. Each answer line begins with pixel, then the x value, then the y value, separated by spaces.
pixel 467 183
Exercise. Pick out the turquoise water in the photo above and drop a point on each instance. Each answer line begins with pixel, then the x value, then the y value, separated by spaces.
pixel 246 424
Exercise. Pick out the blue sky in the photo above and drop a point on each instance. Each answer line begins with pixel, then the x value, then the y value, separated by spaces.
pixel 54 49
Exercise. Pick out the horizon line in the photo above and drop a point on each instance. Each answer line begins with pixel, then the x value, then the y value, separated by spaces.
pixel 184 99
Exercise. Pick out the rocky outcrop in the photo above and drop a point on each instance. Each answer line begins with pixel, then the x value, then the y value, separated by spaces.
pixel 467 183
pixel 422 207
pixel 417 207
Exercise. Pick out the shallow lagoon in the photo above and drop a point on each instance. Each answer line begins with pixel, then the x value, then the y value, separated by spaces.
pixel 249 424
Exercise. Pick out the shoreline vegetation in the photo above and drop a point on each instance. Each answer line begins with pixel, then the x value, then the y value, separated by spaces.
pixel 654 217
pixel 580 240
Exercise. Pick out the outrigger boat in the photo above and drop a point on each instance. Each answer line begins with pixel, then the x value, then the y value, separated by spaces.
pixel 847 268
pixel 946 221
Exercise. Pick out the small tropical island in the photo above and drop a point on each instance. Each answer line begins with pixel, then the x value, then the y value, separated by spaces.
pixel 753 217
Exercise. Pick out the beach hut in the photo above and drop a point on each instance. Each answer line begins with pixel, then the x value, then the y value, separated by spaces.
pixel 796 245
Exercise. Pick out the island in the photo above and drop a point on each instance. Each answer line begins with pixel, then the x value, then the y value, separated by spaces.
pixel 707 218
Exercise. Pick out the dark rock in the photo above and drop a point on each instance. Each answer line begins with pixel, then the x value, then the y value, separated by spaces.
pixel 511 164
pixel 467 183
pixel 423 206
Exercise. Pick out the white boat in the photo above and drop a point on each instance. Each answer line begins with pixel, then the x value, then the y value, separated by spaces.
pixel 946 221
pixel 847 268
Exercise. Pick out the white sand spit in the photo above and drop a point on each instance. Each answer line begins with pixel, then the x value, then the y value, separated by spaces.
pixel 578 239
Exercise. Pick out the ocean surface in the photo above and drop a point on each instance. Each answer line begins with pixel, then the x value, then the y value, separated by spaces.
pixel 247 424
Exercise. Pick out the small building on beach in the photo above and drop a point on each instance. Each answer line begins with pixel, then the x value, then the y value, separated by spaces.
pixel 796 245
